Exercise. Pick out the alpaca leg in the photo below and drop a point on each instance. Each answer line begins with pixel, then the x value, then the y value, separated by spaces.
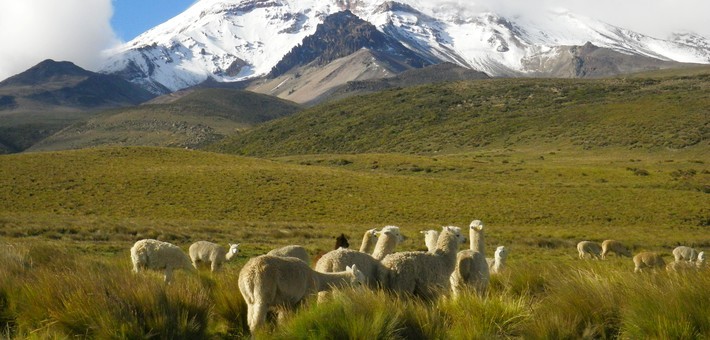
pixel 322 297
pixel 256 316
pixel 168 275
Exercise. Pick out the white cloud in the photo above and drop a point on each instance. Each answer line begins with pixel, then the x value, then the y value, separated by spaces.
pixel 35 30
pixel 657 18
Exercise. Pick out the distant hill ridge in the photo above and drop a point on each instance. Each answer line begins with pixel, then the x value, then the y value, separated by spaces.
pixel 648 111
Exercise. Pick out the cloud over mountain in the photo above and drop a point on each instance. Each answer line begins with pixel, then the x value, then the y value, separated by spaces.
pixel 35 30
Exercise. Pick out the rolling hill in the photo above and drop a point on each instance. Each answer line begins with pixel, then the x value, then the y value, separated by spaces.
pixel 648 111
pixel 51 95
pixel 189 119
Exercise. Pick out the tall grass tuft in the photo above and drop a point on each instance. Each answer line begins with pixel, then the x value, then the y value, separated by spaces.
pixel 665 306
pixel 109 301
pixel 229 305
pixel 582 301
pixel 349 314
pixel 14 261
pixel 493 316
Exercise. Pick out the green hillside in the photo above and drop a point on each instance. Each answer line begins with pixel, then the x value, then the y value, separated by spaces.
pixel 195 119
pixel 173 191
pixel 650 111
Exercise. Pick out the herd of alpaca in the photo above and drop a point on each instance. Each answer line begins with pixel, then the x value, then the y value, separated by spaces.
pixel 684 257
pixel 281 279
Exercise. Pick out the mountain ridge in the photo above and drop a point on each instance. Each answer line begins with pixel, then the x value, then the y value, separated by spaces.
pixel 231 40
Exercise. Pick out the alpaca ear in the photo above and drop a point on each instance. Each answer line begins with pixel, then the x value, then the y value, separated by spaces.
pixel 349 268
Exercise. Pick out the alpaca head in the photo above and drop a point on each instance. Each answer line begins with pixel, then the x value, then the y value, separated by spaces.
pixel 701 257
pixel 392 231
pixel 341 242
pixel 476 225
pixel 358 277
pixel 233 250
pixel 372 233
pixel 501 252
pixel 453 230
pixel 428 233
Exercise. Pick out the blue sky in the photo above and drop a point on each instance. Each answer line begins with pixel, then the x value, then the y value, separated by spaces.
pixel 133 17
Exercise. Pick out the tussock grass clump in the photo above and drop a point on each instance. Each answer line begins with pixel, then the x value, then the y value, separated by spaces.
pixel 351 314
pixel 102 300
pixel 581 302
pixel 668 306
pixel 229 306
pixel 494 316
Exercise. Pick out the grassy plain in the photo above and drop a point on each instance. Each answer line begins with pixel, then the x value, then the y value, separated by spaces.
pixel 544 166
pixel 68 219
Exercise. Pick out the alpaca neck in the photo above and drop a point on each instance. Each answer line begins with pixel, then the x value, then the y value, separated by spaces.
pixel 498 264
pixel 477 241
pixel 447 246
pixel 385 246
pixel 328 281
pixel 431 242
pixel 229 256
pixel 446 250
pixel 367 244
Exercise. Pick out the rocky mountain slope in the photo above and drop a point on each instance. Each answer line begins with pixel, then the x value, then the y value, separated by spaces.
pixel 231 40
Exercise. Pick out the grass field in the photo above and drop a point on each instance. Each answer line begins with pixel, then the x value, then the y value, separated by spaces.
pixel 68 219
pixel 543 163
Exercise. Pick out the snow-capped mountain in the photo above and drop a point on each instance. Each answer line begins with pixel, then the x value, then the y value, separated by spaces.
pixel 231 40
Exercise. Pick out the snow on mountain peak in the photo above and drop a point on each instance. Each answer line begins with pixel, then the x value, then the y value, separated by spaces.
pixel 231 40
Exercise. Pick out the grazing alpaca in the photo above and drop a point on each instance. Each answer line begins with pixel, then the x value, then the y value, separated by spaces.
pixel 269 281
pixel 648 260
pixel 296 251
pixel 212 254
pixel 423 274
pixel 681 253
pixel 160 256
pixel 585 248
pixel 613 246
pixel 677 266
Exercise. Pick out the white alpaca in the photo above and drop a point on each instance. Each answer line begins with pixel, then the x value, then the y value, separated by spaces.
pixel 296 251
pixel 647 260
pixel 585 248
pixel 211 253
pixel 423 274
pixel 337 260
pixel 388 239
pixel 430 239
pixel 685 253
pixel 497 263
pixel 272 281
pixel 677 266
pixel 471 265
pixel 159 256
pixel 368 241
pixel 616 247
